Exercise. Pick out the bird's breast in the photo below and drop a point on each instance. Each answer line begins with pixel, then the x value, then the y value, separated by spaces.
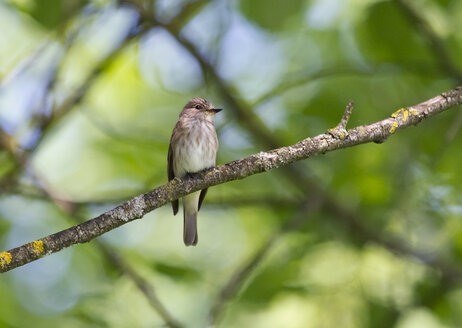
pixel 195 150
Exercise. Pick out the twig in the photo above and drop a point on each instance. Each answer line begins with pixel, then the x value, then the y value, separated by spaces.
pixel 257 163
pixel 340 130
pixel 346 115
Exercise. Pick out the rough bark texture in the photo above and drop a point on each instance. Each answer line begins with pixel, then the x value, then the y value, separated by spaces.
pixel 137 207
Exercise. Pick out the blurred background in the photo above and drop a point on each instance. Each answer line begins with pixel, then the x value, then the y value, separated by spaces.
pixel 370 236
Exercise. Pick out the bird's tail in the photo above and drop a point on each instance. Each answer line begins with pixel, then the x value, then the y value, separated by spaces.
pixel 190 204
pixel 190 229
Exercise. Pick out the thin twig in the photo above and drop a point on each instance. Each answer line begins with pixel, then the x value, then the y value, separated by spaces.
pixel 346 115
pixel 340 130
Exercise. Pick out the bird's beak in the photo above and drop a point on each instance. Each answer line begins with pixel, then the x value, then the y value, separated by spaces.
pixel 216 110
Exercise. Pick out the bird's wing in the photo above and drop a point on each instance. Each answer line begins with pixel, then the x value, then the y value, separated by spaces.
pixel 201 197
pixel 171 174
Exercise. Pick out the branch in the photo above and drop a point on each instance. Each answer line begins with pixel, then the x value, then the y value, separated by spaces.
pixel 261 133
pixel 240 169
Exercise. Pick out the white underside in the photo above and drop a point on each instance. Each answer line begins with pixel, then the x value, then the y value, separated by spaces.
pixel 193 155
pixel 193 160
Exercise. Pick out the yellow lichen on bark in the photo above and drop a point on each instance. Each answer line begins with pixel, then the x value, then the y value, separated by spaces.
pixel 399 111
pixel 5 259
pixel 37 246
pixel 406 112
pixel 393 128
pixel 405 115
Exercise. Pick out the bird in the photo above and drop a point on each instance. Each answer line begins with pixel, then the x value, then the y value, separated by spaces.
pixel 193 148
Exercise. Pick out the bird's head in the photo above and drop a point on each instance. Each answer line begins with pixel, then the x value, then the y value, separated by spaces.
pixel 200 108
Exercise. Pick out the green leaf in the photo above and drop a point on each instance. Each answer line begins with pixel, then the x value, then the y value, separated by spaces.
pixel 272 15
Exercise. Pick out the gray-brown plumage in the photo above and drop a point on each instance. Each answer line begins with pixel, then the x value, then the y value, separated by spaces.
pixel 193 148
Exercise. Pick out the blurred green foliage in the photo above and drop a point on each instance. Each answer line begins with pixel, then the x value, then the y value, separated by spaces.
pixel 273 15
pixel 305 59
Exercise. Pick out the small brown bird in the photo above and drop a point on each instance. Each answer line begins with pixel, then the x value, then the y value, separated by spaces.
pixel 193 148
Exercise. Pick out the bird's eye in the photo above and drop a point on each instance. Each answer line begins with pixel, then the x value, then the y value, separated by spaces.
pixel 198 107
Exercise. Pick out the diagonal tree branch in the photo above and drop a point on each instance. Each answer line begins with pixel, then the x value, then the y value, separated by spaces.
pixel 260 132
pixel 240 169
